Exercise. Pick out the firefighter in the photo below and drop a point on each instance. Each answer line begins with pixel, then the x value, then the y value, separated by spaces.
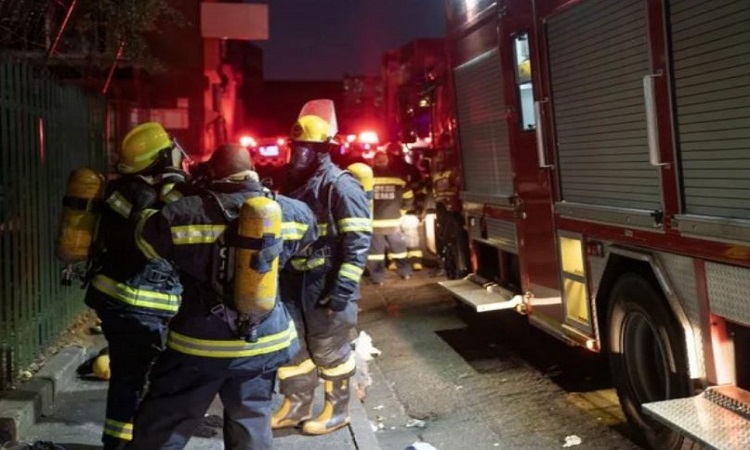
pixel 392 198
pixel 412 217
pixel 231 332
pixel 134 298
pixel 322 289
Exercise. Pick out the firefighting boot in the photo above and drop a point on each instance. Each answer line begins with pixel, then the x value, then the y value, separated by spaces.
pixel 295 409
pixel 335 412
pixel 417 266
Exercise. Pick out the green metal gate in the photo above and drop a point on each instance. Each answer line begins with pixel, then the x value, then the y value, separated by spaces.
pixel 46 130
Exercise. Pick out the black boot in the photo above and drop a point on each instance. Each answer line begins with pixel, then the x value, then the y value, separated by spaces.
pixel 335 412
pixel 293 410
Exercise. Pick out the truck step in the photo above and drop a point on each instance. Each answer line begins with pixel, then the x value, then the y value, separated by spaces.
pixel 482 297
pixel 718 418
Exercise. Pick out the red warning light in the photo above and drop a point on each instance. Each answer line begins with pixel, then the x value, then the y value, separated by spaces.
pixel 247 141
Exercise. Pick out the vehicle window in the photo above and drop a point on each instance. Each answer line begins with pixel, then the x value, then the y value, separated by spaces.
pixel 523 81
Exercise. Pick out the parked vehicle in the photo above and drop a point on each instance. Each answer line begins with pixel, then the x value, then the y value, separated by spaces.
pixel 594 177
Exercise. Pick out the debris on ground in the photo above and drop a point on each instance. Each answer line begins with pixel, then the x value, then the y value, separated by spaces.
pixel 212 420
pixel 364 351
pixel 420 446
pixel 415 423
pixel 572 440
pixel 209 426
pixel 363 346
pixel 205 432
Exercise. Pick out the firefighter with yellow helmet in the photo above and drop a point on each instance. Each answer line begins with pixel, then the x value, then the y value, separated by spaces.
pixel 134 298
pixel 227 240
pixel 322 288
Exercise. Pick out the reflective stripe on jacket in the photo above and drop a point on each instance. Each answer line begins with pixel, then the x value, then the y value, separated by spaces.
pixel 197 233
pixel 338 200
pixel 124 277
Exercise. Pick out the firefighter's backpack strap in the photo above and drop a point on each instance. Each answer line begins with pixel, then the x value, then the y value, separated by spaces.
pixel 268 248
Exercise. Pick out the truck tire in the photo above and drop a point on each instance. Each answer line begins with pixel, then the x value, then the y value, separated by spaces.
pixel 647 357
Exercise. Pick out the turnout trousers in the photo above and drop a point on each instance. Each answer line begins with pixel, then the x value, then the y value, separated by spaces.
pixel 395 244
pixel 134 340
pixel 325 336
pixel 182 389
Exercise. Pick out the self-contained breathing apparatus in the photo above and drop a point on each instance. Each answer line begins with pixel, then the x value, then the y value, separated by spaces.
pixel 259 245
pixel 246 275
pixel 79 220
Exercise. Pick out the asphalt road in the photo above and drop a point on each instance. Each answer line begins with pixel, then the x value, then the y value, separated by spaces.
pixel 460 380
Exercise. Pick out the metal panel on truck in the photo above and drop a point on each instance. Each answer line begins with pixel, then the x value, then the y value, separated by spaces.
pixel 710 48
pixel 483 131
pixel 598 56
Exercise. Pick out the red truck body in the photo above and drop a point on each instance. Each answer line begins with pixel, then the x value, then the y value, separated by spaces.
pixel 593 175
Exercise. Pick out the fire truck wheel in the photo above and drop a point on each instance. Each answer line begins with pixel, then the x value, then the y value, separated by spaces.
pixel 647 356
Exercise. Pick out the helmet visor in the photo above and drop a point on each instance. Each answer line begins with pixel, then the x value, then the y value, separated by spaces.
pixel 178 157
pixel 323 108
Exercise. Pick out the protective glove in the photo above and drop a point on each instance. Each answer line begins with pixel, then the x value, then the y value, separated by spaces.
pixel 333 303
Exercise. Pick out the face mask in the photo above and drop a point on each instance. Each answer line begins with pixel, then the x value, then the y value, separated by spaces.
pixel 303 158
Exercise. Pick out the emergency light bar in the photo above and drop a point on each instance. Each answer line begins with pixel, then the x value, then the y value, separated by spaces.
pixel 268 150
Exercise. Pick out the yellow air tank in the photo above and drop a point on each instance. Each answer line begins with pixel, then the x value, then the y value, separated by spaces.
pixel 80 215
pixel 255 274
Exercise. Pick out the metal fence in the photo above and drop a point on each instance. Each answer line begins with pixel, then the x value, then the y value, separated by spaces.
pixel 46 130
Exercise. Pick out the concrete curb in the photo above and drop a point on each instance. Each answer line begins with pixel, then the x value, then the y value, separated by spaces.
pixel 362 433
pixel 21 407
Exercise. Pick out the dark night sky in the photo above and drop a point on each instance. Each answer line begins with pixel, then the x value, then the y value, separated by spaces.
pixel 323 39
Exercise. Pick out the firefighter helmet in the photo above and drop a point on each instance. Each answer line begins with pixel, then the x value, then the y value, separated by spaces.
pixel 142 147
pixel 231 162
pixel 101 367
pixel 524 71
pixel 311 129
pixel 363 173
pixel 316 122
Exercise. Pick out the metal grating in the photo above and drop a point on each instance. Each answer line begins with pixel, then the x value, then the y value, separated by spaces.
pixel 681 273
pixel 46 130
pixel 710 44
pixel 598 55
pixel 727 290
pixel 703 419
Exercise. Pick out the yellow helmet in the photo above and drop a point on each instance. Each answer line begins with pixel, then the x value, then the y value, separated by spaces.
pixel 101 367
pixel 141 147
pixel 311 129
pixel 524 70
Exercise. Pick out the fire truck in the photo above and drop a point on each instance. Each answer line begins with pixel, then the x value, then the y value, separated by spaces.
pixel 602 158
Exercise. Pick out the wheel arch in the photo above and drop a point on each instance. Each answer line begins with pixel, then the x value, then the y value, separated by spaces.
pixel 646 264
